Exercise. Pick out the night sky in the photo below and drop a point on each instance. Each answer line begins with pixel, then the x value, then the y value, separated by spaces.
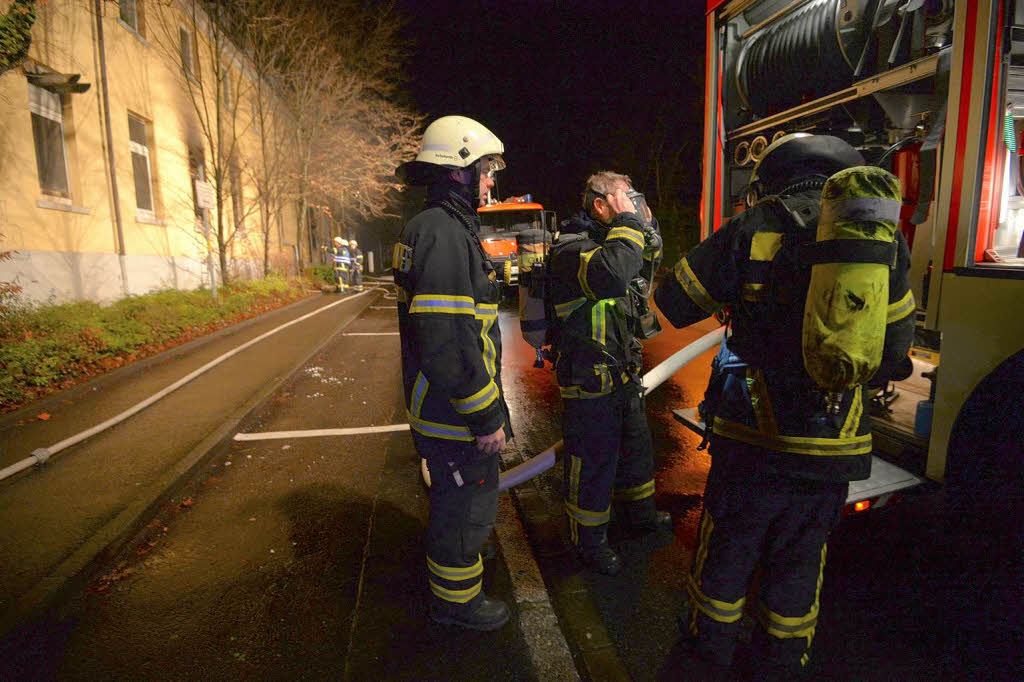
pixel 569 87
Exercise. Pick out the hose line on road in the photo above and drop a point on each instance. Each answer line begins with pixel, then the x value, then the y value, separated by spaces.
pixel 41 455
pixel 538 464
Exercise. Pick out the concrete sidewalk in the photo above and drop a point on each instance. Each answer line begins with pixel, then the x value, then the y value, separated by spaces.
pixel 298 558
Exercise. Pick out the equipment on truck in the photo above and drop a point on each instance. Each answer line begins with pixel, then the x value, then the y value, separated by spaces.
pixel 501 222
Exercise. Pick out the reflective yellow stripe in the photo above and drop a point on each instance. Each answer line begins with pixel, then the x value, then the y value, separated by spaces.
pixel 456 596
pixel 575 465
pixel 758 389
pixel 853 416
pixel 599 320
pixel 419 392
pixel 855 445
pixel 703 539
pixel 901 308
pixel 486 310
pixel 793 627
pixel 694 289
pixel 442 303
pixel 478 401
pixel 715 609
pixel 638 492
pixel 627 233
pixel 487 313
pixel 753 291
pixel 456 572
pixel 581 274
pixel 587 517
pixel 438 430
pixel 764 245
pixel 564 310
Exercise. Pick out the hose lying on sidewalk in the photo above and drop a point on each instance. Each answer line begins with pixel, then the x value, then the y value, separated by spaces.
pixel 40 455
pixel 540 463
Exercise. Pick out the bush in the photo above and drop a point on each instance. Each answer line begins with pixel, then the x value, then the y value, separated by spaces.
pixel 46 348
pixel 321 273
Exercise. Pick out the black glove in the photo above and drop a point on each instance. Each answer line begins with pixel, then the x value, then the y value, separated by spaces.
pixel 652 243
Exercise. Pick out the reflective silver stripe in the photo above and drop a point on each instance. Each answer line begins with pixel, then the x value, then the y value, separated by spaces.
pixel 901 308
pixel 721 611
pixel 637 492
pixel 455 573
pixel 861 208
pixel 694 289
pixel 587 517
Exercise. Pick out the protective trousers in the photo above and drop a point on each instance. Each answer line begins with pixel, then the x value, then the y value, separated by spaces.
pixel 775 525
pixel 341 277
pixel 608 454
pixel 463 506
pixel 356 277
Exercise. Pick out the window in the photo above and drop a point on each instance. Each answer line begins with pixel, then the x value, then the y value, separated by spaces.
pixel 141 169
pixel 131 14
pixel 188 52
pixel 197 171
pixel 225 89
pixel 237 206
pixel 48 134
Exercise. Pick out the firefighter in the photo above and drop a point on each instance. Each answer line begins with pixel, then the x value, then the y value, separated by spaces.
pixel 608 447
pixel 356 276
pixel 782 450
pixel 451 362
pixel 342 259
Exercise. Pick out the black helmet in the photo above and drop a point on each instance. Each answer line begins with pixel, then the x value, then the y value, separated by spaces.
pixel 797 156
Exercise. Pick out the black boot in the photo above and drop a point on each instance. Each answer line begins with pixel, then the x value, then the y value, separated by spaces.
pixel 489 614
pixel 600 558
pixel 642 517
pixel 659 521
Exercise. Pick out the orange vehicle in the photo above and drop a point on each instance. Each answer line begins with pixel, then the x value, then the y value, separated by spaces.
pixel 500 224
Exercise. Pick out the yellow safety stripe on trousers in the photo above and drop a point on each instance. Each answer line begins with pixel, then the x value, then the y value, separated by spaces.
pixel 581 274
pixel 456 573
pixel 575 465
pixel 438 430
pixel 707 524
pixel 480 400
pixel 853 416
pixel 442 303
pixel 587 517
pixel 715 609
pixel 901 308
pixel 487 313
pixel 637 492
pixel 764 245
pixel 627 233
pixel 456 596
pixel 753 291
pixel 854 445
pixel 564 310
pixel 757 388
pixel 787 627
pixel 694 289
pixel 419 392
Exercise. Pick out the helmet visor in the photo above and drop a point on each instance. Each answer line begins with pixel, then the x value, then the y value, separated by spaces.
pixel 491 164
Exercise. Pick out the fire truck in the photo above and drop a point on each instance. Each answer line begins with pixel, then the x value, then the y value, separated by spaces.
pixel 933 91
pixel 500 224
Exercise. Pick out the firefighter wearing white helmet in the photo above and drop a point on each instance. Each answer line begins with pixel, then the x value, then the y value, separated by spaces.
pixel 342 259
pixel 451 362
pixel 787 423
pixel 356 275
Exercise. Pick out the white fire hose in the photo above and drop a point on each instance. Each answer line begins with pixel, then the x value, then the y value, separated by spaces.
pixel 540 463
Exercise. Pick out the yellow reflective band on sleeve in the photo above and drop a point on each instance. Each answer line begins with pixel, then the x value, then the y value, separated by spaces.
pixel 487 313
pixel 480 400
pixel 764 245
pixel 456 596
pixel 901 308
pixel 442 303
pixel 419 392
pixel 587 517
pixel 694 289
pixel 564 310
pixel 438 430
pixel 627 233
pixel 638 492
pixel 599 320
pixel 798 445
pixel 581 274
pixel 715 609
pixel 456 572
pixel 853 416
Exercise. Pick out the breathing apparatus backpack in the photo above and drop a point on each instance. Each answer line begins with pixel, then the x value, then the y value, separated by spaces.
pixel 534 306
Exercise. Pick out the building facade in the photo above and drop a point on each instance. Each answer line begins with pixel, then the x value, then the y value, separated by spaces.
pixel 110 191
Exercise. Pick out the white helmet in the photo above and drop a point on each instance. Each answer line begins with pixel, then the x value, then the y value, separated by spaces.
pixel 339 241
pixel 352 243
pixel 457 141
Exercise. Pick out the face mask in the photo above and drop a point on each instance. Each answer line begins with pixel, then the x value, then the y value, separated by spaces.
pixel 641 208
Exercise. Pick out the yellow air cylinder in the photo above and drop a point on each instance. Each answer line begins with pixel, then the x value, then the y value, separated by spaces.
pixel 846 305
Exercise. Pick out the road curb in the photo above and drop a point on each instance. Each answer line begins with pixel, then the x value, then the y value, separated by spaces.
pixel 545 643
pixel 54 593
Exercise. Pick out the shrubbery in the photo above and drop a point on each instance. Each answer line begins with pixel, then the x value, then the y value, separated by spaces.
pixel 48 348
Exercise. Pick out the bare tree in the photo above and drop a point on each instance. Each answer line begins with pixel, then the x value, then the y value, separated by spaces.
pixel 16 33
